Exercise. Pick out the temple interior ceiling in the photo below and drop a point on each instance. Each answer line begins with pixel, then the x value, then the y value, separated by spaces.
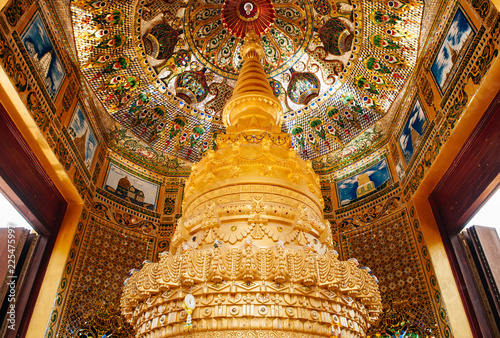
pixel 163 70
pixel 128 96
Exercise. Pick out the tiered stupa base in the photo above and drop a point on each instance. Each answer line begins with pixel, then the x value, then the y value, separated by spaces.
pixel 255 256
pixel 237 306
pixel 252 255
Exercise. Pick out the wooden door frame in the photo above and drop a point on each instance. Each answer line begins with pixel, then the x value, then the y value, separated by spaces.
pixel 38 186
pixel 471 179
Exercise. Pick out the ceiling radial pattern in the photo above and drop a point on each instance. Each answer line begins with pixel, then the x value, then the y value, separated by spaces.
pixel 165 69
pixel 240 17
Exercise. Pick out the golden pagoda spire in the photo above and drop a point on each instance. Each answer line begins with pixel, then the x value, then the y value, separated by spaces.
pixel 252 247
pixel 253 105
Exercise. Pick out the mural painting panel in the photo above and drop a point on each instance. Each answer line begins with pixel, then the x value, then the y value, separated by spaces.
pixel 43 55
pixel 452 51
pixel 413 131
pixel 131 188
pixel 363 184
pixel 83 136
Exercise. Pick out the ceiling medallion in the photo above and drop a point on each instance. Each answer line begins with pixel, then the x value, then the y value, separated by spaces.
pixel 214 33
pixel 241 16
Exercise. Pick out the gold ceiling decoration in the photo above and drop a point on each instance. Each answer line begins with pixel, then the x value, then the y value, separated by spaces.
pixel 340 63
pixel 252 254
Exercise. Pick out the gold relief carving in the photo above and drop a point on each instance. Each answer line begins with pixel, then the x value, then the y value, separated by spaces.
pixel 124 219
pixel 181 234
pixel 278 194
pixel 278 165
pixel 387 205
pixel 252 247
pixel 426 90
pixel 210 221
pixel 326 235
pixel 210 237
pixel 307 312
pixel 256 222
pixel 293 176
pixel 69 95
pixel 235 171
pixel 257 218
pixel 266 264
pixel 208 177
pixel 211 217
pixel 247 334
pixel 277 233
pixel 217 269
pixel 257 205
pixel 234 233
pixel 233 209
pixel 188 192
pixel 390 206
pixel 261 219
pixel 394 151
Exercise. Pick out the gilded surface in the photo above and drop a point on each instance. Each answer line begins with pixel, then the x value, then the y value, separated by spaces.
pixel 52 118
pixel 184 58
pixel 252 246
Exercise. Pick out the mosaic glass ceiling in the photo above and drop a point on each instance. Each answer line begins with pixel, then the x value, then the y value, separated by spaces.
pixel 164 69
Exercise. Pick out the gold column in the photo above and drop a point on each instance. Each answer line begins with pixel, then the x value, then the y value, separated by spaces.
pixel 482 95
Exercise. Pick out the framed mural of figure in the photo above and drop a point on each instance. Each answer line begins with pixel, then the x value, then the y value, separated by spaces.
pixel 453 49
pixel 363 184
pixel 413 131
pixel 41 51
pixel 83 136
pixel 131 188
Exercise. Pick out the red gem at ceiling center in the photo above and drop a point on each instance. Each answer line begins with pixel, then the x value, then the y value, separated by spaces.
pixel 242 16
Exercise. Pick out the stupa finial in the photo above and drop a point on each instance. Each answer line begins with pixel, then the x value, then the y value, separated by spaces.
pixel 252 230
pixel 252 47
pixel 253 105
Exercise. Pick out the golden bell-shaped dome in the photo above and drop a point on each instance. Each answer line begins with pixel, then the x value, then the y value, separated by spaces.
pixel 252 255
pixel 254 157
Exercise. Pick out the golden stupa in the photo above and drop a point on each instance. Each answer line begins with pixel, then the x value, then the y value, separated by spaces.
pixel 252 255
